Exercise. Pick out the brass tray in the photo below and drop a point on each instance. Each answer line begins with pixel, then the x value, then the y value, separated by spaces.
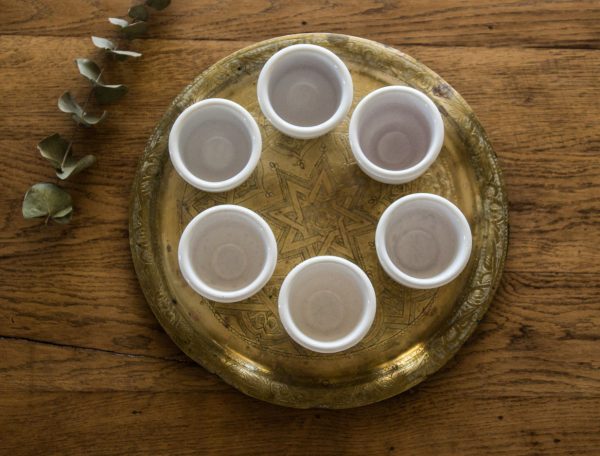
pixel 317 202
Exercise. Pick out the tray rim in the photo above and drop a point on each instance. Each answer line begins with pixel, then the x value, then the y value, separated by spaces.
pixel 216 359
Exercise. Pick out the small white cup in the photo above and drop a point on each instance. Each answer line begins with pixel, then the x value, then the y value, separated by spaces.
pixel 327 304
pixel 215 145
pixel 227 253
pixel 304 90
pixel 396 133
pixel 423 241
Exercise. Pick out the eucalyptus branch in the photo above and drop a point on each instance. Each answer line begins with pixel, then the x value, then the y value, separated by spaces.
pixel 77 125
pixel 49 200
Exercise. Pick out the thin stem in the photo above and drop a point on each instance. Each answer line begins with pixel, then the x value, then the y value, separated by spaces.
pixel 66 155
pixel 87 100
pixel 89 97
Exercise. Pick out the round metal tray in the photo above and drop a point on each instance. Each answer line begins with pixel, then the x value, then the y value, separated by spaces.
pixel 318 202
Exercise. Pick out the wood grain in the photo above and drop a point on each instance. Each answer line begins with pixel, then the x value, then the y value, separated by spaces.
pixel 527 346
pixel 216 423
pixel 85 367
pixel 489 23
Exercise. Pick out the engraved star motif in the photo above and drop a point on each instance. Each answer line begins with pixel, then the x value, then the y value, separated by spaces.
pixel 317 215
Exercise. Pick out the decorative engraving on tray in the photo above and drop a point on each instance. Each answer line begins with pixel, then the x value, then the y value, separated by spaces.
pixel 327 208
pixel 468 174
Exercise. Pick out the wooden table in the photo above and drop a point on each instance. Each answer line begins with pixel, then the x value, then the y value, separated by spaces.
pixel 86 369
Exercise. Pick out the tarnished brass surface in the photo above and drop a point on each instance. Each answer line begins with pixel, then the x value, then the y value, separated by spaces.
pixel 317 201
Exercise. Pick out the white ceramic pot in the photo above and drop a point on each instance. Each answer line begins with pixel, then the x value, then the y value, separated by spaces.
pixel 423 241
pixel 396 133
pixel 327 304
pixel 215 145
pixel 304 90
pixel 227 253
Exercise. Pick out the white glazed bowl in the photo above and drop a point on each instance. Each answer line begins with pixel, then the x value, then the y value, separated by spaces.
pixel 305 90
pixel 227 253
pixel 327 304
pixel 423 241
pixel 215 145
pixel 396 133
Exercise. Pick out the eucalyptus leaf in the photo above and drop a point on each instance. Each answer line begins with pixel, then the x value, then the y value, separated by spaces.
pixel 104 93
pixel 138 12
pixel 111 48
pixel 103 43
pixel 116 21
pixel 68 104
pixel 47 200
pixel 74 166
pixel 130 31
pixel 89 69
pixel 53 149
pixel 64 220
pixel 158 4
pixel 124 55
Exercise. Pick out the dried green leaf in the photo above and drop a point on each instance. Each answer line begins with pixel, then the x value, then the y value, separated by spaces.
pixel 104 93
pixel 47 200
pixel 158 4
pixel 68 104
pixel 63 220
pixel 74 166
pixel 89 70
pixel 138 12
pixel 123 55
pixel 53 149
pixel 103 43
pixel 111 48
pixel 130 31
pixel 116 21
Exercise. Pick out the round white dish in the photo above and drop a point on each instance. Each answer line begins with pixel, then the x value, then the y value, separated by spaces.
pixel 305 90
pixel 227 253
pixel 327 304
pixel 215 144
pixel 423 241
pixel 395 134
